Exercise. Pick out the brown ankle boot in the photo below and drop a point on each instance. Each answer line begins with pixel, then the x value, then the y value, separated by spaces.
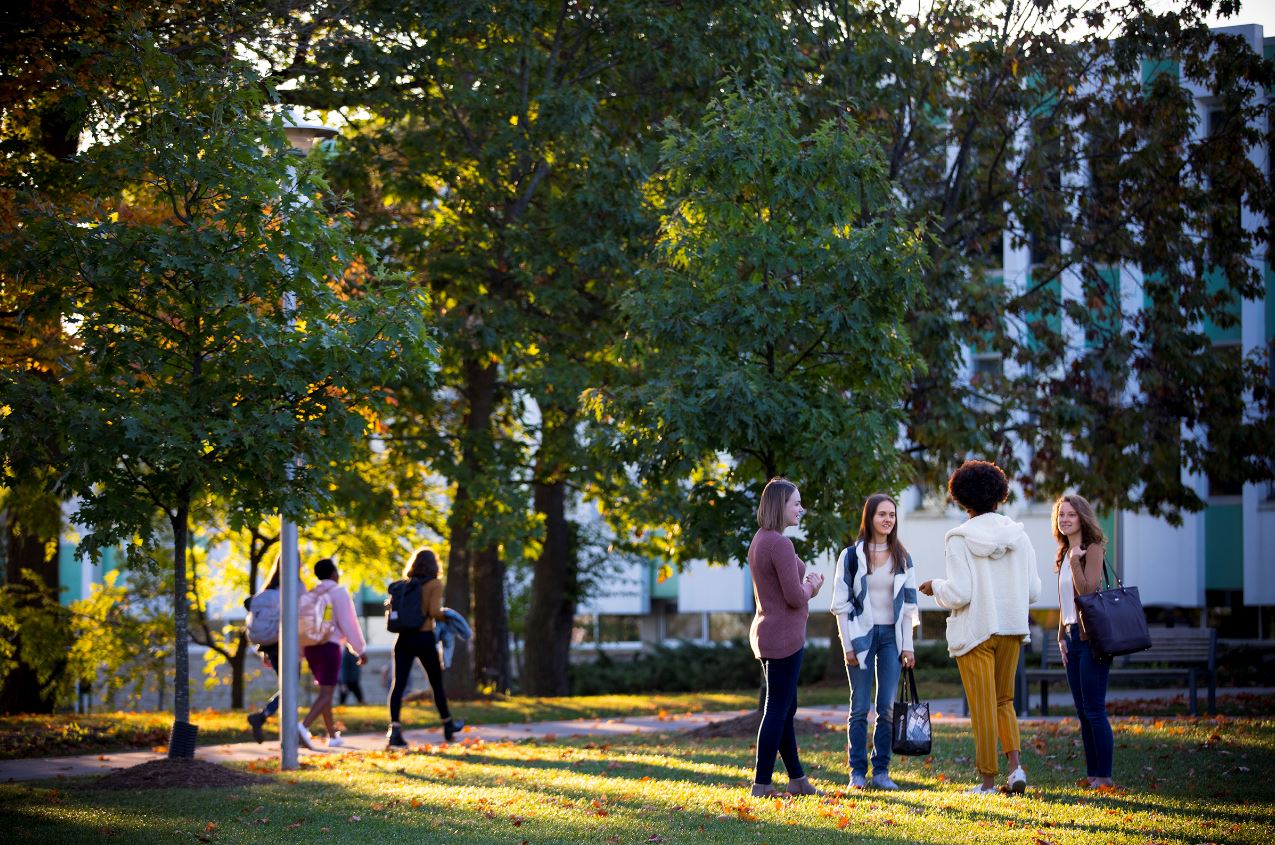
pixel 801 786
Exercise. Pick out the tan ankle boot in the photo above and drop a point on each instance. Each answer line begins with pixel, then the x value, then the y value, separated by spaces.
pixel 801 786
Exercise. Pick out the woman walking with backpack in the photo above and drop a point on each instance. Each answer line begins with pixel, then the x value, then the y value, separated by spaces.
pixel 874 600
pixel 263 632
pixel 1079 563
pixel 327 620
pixel 416 607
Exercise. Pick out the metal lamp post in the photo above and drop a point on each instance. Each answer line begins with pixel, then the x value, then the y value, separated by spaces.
pixel 302 134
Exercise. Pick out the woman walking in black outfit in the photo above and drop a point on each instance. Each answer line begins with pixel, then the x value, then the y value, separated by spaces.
pixel 422 645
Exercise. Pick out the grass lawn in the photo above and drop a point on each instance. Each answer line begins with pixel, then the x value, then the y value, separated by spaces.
pixel 1184 780
pixel 65 734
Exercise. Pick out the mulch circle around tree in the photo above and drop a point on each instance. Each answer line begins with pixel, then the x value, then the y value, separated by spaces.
pixel 746 726
pixel 169 773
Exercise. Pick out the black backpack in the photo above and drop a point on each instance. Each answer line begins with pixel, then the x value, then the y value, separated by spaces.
pixel 403 610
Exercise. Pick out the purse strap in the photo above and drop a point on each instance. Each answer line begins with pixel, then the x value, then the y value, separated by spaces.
pixel 907 687
pixel 1108 574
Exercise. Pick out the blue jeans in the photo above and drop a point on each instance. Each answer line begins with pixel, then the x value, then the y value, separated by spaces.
pixel 880 663
pixel 1087 677
pixel 776 732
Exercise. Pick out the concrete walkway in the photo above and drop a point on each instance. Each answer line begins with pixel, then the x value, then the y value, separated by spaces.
pixel 946 710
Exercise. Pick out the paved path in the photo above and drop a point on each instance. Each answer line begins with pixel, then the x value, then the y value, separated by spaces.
pixel 946 710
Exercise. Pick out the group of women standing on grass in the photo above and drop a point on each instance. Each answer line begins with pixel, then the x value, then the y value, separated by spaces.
pixel 991 580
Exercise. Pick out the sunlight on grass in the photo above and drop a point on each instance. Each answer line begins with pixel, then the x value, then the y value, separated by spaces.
pixel 1183 781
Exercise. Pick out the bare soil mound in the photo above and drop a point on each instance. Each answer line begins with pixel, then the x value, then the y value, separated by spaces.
pixel 169 773
pixel 746 726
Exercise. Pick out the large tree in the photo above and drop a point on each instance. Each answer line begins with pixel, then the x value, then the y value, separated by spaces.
pixel 223 321
pixel 1065 131
pixel 504 159
pixel 766 335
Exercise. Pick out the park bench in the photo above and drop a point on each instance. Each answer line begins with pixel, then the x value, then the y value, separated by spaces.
pixel 1176 654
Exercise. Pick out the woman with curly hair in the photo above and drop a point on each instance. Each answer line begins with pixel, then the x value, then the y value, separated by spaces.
pixel 1081 553
pixel 991 580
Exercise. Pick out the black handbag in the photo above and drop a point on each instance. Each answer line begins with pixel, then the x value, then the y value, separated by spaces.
pixel 910 732
pixel 1113 620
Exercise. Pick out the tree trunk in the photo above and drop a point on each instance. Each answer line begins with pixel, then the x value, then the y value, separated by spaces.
pixel 236 661
pixel 181 610
pixel 473 562
pixel 554 592
pixel 456 594
pixel 20 691
pixel 491 622
pixel 834 668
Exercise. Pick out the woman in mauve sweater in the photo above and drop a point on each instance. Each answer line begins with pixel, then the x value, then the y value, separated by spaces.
pixel 782 591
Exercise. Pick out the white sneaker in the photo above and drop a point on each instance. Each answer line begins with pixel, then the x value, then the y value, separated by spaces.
pixel 335 740
pixel 1018 781
pixel 981 790
pixel 881 780
pixel 858 782
pixel 306 739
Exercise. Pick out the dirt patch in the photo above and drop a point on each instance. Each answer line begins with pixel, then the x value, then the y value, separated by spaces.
pixel 746 727
pixel 169 773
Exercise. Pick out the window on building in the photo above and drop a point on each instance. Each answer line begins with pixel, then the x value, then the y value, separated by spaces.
pixel 1226 222
pixel 723 627
pixel 1224 478
pixel 986 370
pixel 684 626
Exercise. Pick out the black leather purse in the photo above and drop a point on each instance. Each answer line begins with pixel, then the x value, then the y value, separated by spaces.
pixel 1113 620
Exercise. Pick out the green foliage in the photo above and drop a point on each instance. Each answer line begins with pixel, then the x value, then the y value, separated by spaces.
pixel 36 630
pixel 121 637
pixel 1068 130
pixel 686 667
pixel 224 319
pixel 767 336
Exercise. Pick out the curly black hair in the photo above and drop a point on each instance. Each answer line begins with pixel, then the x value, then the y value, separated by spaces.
pixel 978 486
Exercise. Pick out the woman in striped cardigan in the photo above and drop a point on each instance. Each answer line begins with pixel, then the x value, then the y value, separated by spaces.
pixel 874 600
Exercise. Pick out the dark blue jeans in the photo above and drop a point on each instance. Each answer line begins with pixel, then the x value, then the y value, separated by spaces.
pixel 1087 677
pixel 776 732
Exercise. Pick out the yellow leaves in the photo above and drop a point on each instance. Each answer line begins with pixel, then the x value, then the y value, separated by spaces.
pixel 664 573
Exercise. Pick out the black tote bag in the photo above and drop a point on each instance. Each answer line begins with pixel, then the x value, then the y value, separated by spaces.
pixel 1113 620
pixel 910 731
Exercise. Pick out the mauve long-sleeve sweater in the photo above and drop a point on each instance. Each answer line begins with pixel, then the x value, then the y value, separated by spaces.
pixel 781 595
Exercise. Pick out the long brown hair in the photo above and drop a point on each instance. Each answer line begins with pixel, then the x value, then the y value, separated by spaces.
pixel 774 498
pixel 422 565
pixel 897 552
pixel 1090 530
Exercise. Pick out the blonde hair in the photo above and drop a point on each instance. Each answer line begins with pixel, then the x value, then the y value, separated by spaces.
pixel 774 497
pixel 1090 530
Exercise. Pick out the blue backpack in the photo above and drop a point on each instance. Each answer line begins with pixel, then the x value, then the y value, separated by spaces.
pixel 403 611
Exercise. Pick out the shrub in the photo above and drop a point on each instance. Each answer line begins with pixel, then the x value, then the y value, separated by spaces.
pixel 685 667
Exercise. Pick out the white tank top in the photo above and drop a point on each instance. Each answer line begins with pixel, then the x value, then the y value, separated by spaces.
pixel 881 593
pixel 1066 593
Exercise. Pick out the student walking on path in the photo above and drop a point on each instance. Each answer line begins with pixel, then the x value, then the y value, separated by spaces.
pixel 328 621
pixel 418 599
pixel 263 632
pixel 874 600
pixel 782 590
pixel 1081 556
pixel 991 580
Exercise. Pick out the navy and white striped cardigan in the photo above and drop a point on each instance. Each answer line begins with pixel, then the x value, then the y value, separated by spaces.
pixel 854 617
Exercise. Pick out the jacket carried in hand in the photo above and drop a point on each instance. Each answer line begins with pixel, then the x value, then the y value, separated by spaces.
pixel 854 612
pixel 451 626
pixel 991 580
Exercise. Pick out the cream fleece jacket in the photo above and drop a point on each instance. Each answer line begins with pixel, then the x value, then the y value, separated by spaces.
pixel 991 580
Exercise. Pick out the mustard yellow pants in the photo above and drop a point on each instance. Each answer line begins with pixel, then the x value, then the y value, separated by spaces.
pixel 987 673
